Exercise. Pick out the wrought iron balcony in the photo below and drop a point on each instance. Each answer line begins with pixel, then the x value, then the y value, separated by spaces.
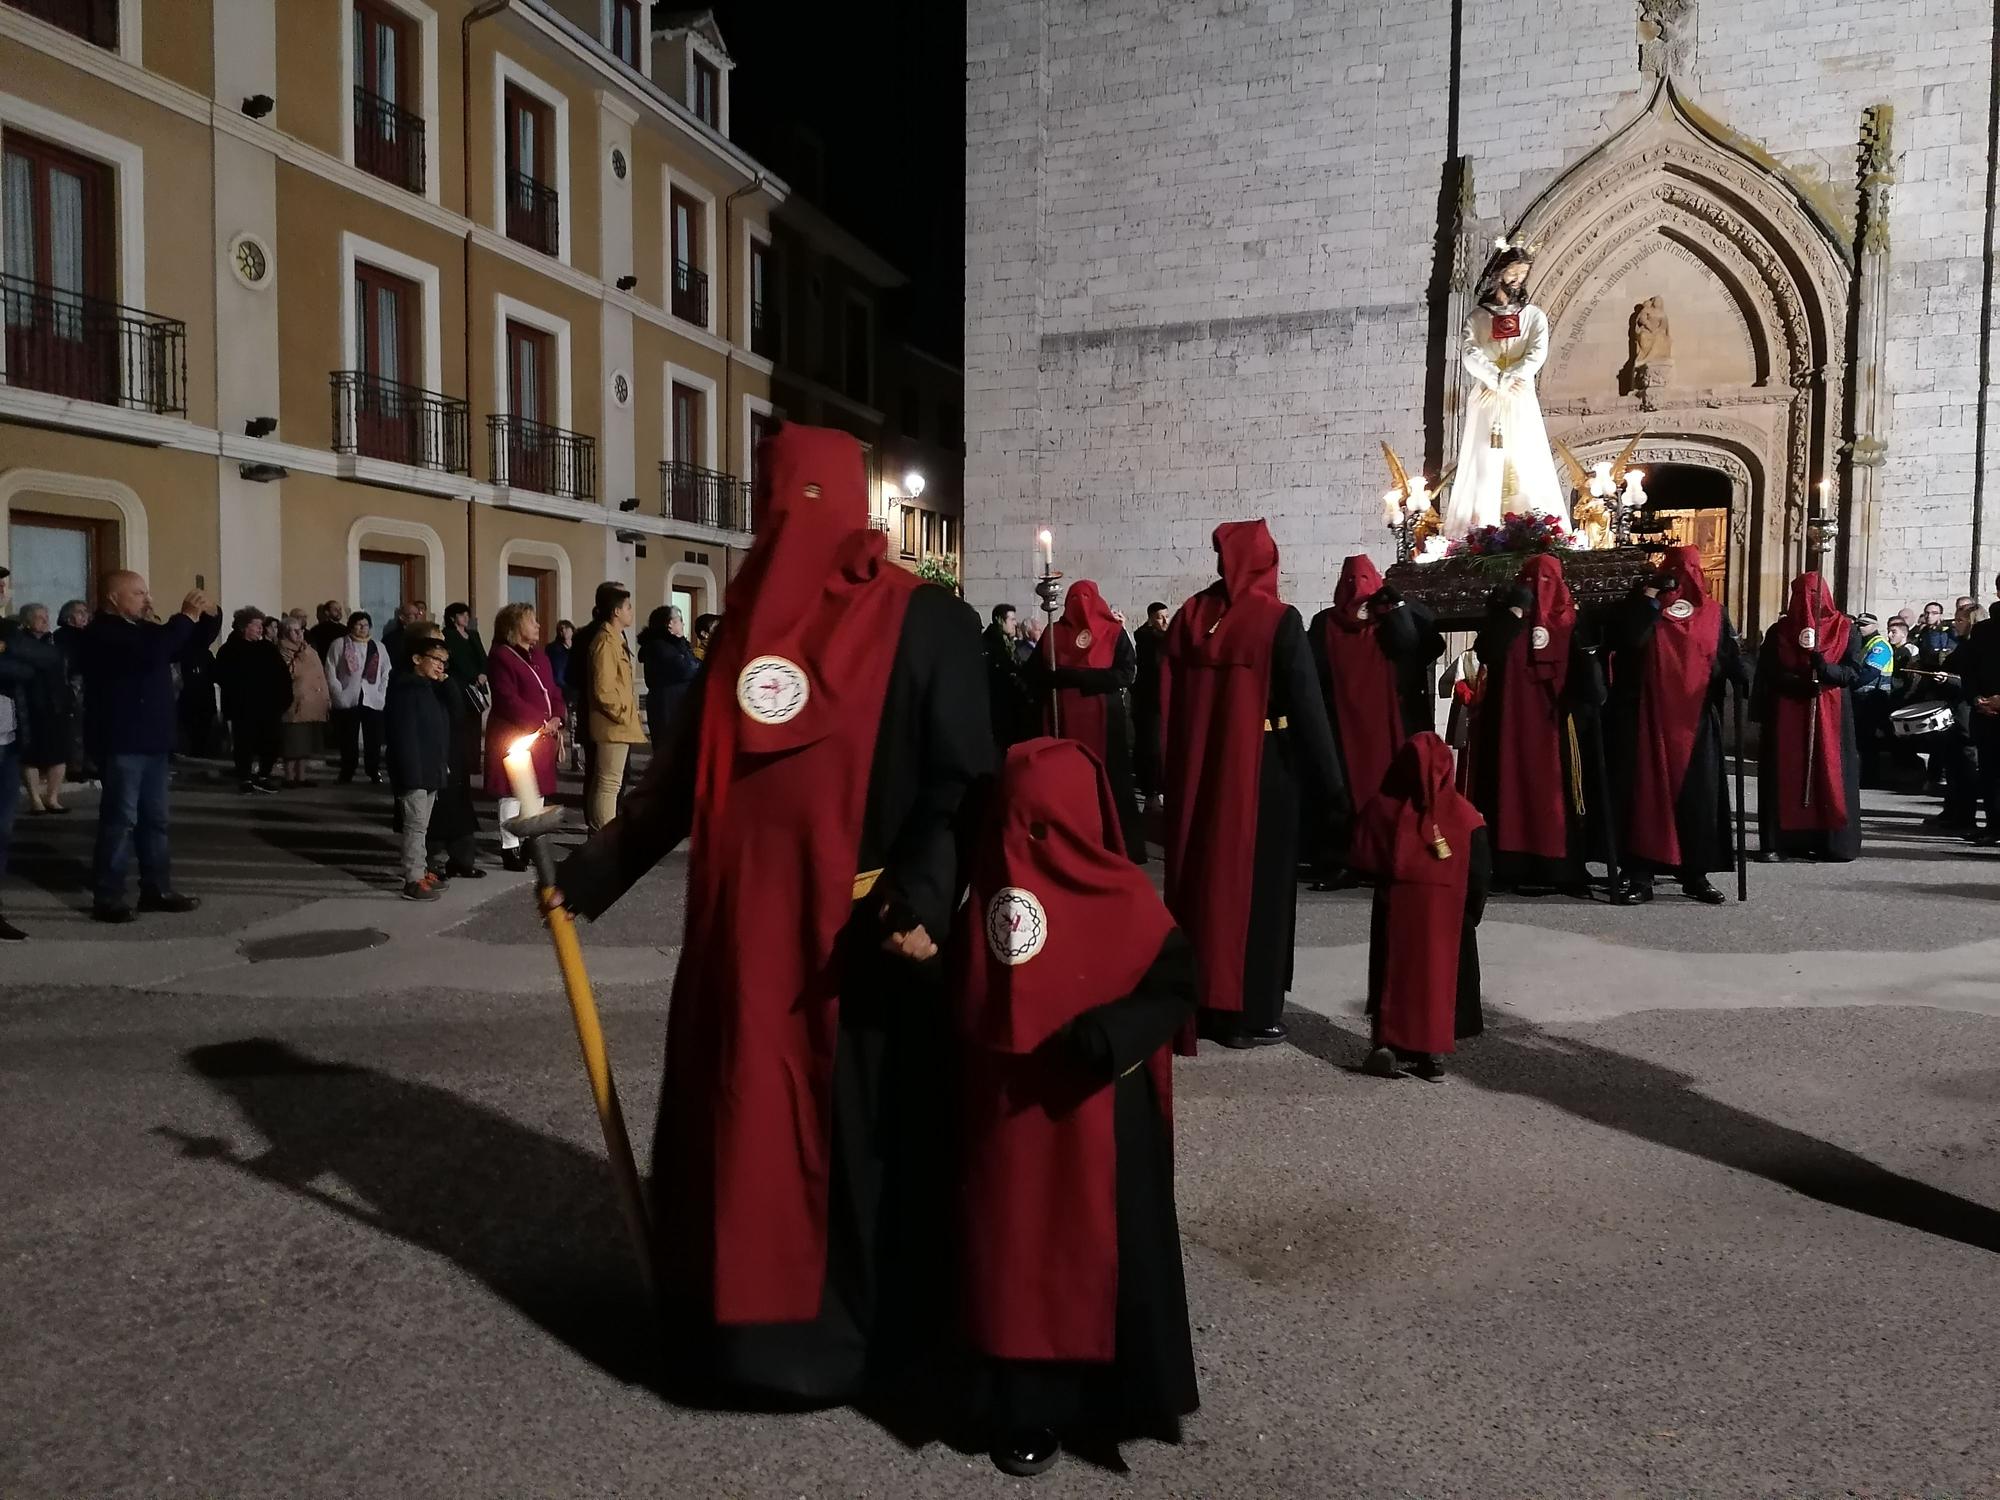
pixel 388 141
pixel 534 456
pixel 704 497
pixel 84 347
pixel 96 21
pixel 532 213
pixel 377 418
pixel 764 329
pixel 690 297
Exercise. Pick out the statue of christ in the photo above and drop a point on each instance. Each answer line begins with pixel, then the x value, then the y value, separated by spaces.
pixel 1505 466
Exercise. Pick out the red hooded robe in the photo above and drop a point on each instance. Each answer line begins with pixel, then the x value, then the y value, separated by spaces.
pixel 794 691
pixel 1672 700
pixel 1415 838
pixel 1529 814
pixel 1219 674
pixel 1066 925
pixel 1085 636
pixel 1367 709
pixel 1813 633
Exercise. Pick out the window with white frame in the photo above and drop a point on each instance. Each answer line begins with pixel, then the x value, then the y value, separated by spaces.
pixel 530 159
pixel 625 32
pixel 690 251
pixel 389 62
pixel 110 24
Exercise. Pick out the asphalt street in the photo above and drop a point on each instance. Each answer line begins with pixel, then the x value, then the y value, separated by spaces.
pixel 1712 1210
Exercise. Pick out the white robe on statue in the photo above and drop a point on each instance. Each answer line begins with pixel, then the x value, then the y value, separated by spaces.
pixel 1520 476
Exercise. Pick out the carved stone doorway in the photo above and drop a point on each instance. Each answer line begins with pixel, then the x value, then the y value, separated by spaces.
pixel 1693 503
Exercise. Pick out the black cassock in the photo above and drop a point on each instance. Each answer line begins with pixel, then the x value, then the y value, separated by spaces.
pixel 1151 1384
pixel 889 1208
pixel 1582 790
pixel 1148 726
pixel 1298 756
pixel 1111 683
pixel 1702 819
pixel 1768 686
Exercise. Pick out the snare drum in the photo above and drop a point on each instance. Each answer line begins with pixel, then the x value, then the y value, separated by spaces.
pixel 1920 719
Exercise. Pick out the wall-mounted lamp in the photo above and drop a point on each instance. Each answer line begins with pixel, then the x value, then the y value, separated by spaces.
pixel 626 283
pixel 260 426
pixel 263 473
pixel 259 105
pixel 629 505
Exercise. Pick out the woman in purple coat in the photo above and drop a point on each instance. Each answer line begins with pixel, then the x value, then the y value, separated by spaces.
pixel 526 701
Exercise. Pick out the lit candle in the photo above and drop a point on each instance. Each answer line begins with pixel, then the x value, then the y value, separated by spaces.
pixel 1825 496
pixel 1635 487
pixel 1392 509
pixel 520 763
pixel 1048 541
pixel 1420 496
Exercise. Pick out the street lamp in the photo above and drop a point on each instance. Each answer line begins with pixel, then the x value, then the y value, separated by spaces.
pixel 913 484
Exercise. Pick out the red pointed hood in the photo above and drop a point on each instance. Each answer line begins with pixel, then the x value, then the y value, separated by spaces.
pixel 1360 581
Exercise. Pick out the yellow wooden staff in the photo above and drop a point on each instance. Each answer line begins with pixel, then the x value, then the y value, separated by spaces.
pixel 534 827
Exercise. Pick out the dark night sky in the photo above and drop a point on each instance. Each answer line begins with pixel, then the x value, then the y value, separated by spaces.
pixel 883 86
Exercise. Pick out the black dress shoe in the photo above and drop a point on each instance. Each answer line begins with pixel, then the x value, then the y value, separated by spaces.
pixel 1254 1036
pixel 1702 891
pixel 1768 857
pixel 1632 893
pixel 1026 1454
pixel 112 914
pixel 464 871
pixel 1428 1068
pixel 9 933
pixel 167 901
pixel 515 859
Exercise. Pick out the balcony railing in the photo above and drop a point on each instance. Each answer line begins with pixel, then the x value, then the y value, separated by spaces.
pixel 533 456
pixel 96 21
pixel 764 329
pixel 704 497
pixel 531 213
pixel 388 141
pixel 84 347
pixel 690 298
pixel 379 418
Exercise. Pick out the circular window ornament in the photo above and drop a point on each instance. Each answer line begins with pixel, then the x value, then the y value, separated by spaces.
pixel 250 261
pixel 618 166
pixel 621 388
pixel 1016 925
pixel 1680 609
pixel 1541 638
pixel 772 690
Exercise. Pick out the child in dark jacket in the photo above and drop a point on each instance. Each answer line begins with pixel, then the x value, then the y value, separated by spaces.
pixel 419 746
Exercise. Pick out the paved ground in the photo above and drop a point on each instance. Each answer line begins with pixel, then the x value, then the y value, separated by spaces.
pixel 1713 1209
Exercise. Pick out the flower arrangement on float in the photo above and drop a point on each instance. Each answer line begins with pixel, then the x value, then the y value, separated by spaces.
pixel 1516 534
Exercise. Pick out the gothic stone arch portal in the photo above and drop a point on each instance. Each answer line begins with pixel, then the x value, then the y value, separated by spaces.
pixel 1697 294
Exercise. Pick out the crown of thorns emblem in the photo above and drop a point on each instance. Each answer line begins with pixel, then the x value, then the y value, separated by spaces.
pixel 1016 925
pixel 771 690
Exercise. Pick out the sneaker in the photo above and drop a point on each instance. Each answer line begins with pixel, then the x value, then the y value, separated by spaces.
pixel 1428 1068
pixel 112 914
pixel 265 784
pixel 9 933
pixel 420 890
pixel 168 901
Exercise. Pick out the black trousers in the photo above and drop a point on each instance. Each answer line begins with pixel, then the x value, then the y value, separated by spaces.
pixel 255 742
pixel 1986 744
pixel 358 727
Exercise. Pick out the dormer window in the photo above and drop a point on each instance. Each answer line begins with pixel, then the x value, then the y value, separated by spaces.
pixel 627 33
pixel 708 92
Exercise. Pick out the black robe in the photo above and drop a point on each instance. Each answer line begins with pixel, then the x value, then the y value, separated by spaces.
pixel 1300 780
pixel 1409 637
pixel 1702 816
pixel 1112 683
pixel 1839 844
pixel 888 1231
pixel 1148 720
pixel 1582 698
pixel 1470 1016
pixel 1150 1384
pixel 1010 705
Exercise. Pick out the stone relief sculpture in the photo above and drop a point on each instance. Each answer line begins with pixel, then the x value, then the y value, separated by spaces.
pixel 1652 360
pixel 1666 37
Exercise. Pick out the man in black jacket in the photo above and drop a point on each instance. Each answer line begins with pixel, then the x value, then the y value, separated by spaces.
pixel 419 758
pixel 1976 664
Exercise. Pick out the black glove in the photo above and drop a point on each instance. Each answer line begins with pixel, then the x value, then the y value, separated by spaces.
pixel 1089 1047
pixel 1387 597
pixel 1666 583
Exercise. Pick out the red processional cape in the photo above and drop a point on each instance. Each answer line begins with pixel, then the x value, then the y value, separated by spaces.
pixel 793 698
pixel 1085 636
pixel 1672 700
pixel 1528 811
pixel 1218 651
pixel 1062 923
pixel 1399 837
pixel 1812 634
pixel 1367 711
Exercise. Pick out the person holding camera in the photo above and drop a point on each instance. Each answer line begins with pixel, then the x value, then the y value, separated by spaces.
pixel 1674 657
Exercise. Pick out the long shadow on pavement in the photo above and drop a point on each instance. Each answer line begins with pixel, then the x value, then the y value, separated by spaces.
pixel 1657 1104
pixel 529 1215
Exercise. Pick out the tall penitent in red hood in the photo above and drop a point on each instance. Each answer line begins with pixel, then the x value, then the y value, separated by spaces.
pixel 1811 795
pixel 1064 923
pixel 1528 813
pixel 1671 703
pixel 1367 713
pixel 792 699
pixel 1085 636
pixel 1219 660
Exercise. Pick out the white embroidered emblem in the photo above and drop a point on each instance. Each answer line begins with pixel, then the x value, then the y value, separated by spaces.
pixel 1541 637
pixel 1016 925
pixel 1680 609
pixel 1361 610
pixel 772 690
pixel 1083 640
pixel 1809 638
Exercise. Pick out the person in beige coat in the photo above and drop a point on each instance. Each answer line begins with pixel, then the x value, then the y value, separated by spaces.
pixel 612 706
pixel 302 726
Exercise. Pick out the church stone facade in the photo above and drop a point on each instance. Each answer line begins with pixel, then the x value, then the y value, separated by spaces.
pixel 1217 250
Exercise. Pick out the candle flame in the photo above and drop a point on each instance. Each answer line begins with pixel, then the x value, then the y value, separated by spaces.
pixel 1046 537
pixel 523 747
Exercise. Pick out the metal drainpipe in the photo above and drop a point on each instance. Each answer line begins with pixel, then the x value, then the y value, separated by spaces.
pixel 1980 444
pixel 477 13
pixel 729 359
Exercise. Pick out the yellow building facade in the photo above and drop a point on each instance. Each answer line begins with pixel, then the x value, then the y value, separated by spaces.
pixel 376 301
